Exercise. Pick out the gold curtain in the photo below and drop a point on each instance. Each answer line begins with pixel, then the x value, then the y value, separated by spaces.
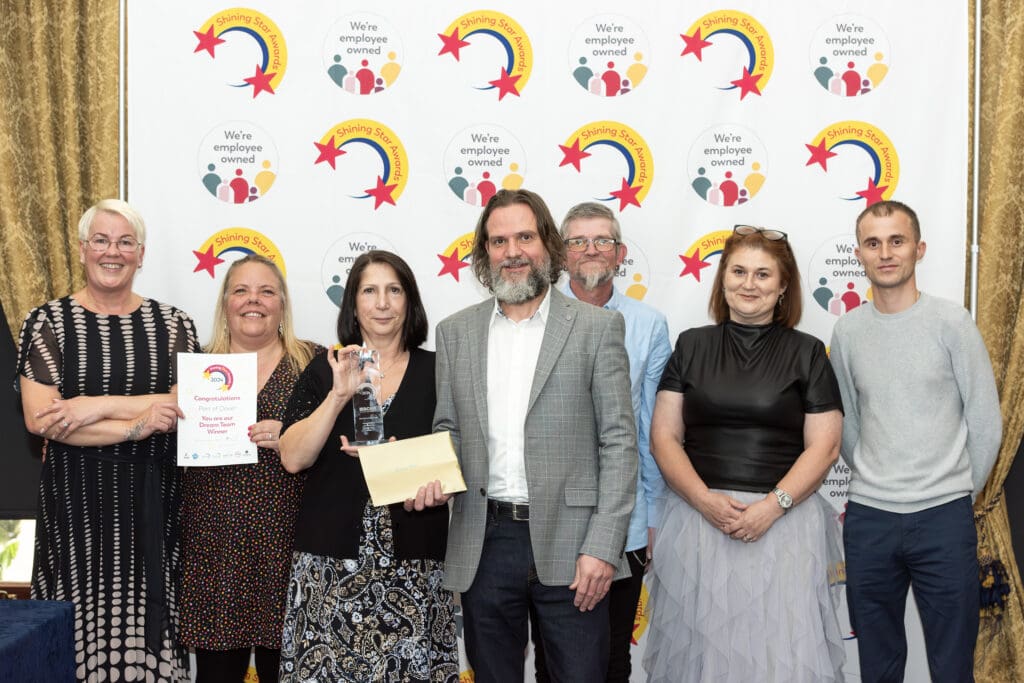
pixel 1000 652
pixel 59 154
pixel 58 140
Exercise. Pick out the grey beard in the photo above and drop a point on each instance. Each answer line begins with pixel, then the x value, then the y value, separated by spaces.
pixel 591 280
pixel 519 292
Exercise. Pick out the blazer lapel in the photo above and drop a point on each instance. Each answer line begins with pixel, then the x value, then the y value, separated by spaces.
pixel 561 318
pixel 479 328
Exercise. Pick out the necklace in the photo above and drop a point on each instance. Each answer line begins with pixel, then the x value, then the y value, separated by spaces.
pixel 384 368
pixel 388 392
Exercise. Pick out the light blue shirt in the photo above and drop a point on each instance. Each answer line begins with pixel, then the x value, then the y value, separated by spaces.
pixel 648 348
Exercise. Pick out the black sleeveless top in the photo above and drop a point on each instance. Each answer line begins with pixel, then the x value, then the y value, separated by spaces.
pixel 747 389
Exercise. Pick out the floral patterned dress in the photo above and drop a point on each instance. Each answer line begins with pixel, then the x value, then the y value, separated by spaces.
pixel 238 529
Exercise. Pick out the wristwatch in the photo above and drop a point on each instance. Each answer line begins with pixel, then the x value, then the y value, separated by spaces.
pixel 785 500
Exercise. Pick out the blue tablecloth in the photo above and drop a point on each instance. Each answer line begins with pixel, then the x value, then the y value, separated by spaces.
pixel 37 641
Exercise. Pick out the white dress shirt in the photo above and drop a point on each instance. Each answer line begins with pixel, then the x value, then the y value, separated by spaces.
pixel 512 352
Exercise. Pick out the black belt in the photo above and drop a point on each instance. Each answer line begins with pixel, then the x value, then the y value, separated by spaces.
pixel 519 512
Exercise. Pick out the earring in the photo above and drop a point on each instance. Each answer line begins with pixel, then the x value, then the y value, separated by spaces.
pixel 280 329
pixel 781 298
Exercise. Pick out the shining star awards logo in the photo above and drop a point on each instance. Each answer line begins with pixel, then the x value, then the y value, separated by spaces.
pixel 456 256
pixel 482 159
pixel 616 157
pixel 362 54
pixel 340 256
pixel 733 50
pixel 220 376
pixel 498 53
pixel 369 145
pixel 246 49
pixel 850 55
pixel 237 162
pixel 643 615
pixel 233 243
pixel 859 160
pixel 609 55
pixel 697 256
pixel 835 277
pixel 727 165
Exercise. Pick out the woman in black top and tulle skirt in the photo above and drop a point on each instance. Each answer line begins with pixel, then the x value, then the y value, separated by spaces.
pixel 747 422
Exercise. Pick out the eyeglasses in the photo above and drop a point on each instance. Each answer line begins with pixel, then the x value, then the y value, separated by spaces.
pixel 582 243
pixel 102 243
pixel 767 233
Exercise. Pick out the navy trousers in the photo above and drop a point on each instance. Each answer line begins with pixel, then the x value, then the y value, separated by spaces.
pixel 496 615
pixel 935 551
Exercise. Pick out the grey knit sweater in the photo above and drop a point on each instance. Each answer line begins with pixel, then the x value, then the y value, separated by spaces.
pixel 922 424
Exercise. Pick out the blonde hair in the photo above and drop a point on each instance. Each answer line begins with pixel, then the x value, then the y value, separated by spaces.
pixel 115 206
pixel 298 352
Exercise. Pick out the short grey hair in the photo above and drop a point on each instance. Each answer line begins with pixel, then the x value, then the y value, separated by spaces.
pixel 591 210
pixel 116 206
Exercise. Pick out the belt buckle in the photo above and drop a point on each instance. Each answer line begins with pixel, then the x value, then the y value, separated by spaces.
pixel 516 507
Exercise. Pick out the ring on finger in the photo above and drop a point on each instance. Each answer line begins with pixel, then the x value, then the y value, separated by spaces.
pixel 65 424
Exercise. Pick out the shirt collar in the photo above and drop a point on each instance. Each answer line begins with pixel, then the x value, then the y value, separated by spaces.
pixel 541 314
pixel 613 304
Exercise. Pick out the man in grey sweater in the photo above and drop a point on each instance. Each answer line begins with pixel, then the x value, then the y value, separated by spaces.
pixel 920 435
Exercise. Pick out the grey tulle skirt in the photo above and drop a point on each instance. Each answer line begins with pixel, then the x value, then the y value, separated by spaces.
pixel 724 610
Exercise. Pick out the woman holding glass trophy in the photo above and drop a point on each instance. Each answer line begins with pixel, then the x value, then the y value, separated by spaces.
pixel 365 600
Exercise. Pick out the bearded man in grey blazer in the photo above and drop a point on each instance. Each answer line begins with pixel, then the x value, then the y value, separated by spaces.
pixel 534 388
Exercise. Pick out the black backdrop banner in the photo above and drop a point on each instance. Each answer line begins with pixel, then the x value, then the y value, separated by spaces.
pixel 21 453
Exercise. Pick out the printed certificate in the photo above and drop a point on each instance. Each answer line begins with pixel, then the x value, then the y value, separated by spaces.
pixel 217 393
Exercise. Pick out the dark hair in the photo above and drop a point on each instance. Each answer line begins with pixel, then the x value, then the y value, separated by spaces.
pixel 789 310
pixel 414 330
pixel 887 208
pixel 546 228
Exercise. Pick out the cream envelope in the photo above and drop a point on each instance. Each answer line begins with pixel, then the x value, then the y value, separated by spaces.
pixel 395 471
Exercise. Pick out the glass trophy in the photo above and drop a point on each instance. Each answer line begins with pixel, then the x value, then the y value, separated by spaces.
pixel 366 408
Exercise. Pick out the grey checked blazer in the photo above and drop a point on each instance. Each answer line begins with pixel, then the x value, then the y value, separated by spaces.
pixel 581 454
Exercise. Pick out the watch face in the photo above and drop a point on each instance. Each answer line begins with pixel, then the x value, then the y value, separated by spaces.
pixel 785 500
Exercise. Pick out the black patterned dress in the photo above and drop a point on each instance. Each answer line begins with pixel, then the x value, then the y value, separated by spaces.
pixel 238 528
pixel 107 531
pixel 365 599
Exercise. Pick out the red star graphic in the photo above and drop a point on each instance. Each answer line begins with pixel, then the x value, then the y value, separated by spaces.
pixel 819 154
pixel 452 44
pixel 328 152
pixel 693 265
pixel 207 41
pixel 506 83
pixel 872 193
pixel 627 195
pixel 260 81
pixel 207 260
pixel 694 45
pixel 381 193
pixel 747 83
pixel 452 264
pixel 573 155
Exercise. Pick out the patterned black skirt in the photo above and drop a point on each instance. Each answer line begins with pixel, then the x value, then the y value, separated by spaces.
pixel 374 618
